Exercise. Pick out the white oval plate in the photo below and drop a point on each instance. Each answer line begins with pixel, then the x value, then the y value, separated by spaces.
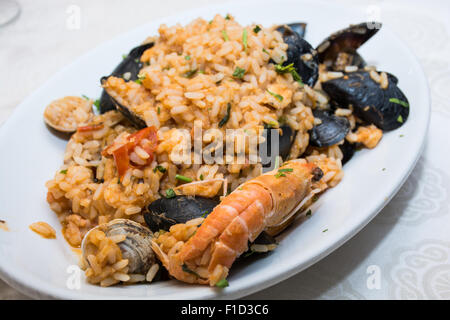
pixel 31 154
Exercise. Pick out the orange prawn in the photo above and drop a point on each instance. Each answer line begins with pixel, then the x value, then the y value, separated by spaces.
pixel 267 201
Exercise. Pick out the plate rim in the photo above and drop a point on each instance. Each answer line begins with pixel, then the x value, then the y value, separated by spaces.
pixel 37 288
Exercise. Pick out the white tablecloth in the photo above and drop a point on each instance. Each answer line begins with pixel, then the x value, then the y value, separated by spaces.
pixel 403 253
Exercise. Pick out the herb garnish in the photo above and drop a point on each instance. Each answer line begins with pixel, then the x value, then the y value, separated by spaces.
pixel 204 213
pixel 276 95
pixel 160 169
pixel 85 97
pixel 256 29
pixel 201 177
pixel 170 193
pixel 222 283
pixel 190 73
pixel 227 17
pixel 183 178
pixel 187 57
pixel 265 51
pixel 281 172
pixel 140 78
pixel 97 105
pixel 308 213
pixel 185 268
pixel 244 39
pixel 63 171
pixel 400 119
pixel 225 36
pixel 400 102
pixel 325 230
pixel 124 56
pixel 227 116
pixel 158 110
pixel 238 73
pixel 280 69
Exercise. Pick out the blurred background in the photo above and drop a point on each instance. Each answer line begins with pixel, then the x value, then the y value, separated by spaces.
pixel 38 38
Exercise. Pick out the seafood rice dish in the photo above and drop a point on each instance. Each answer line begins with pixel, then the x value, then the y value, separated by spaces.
pixel 208 140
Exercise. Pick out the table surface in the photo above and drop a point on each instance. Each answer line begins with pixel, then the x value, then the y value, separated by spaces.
pixel 404 253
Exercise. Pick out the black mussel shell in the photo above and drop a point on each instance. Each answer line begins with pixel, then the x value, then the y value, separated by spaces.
pixel 265 238
pixel 286 138
pixel 163 213
pixel 136 120
pixel 132 64
pixel 387 108
pixel 339 49
pixel 297 53
pixel 348 150
pixel 299 28
pixel 330 131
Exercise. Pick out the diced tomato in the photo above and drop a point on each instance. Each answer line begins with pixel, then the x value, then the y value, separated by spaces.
pixel 145 138
pixel 122 160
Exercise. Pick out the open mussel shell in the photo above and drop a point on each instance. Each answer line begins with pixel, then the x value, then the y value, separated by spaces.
pixel 299 28
pixel 301 54
pixel 284 143
pixel 348 150
pixel 129 67
pixel 386 108
pixel 339 49
pixel 136 247
pixel 163 213
pixel 330 131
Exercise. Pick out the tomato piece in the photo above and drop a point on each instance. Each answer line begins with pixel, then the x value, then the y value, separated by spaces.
pixel 90 128
pixel 122 160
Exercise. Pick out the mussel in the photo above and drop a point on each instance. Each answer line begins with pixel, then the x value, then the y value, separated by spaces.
pixel 386 108
pixel 331 130
pixel 162 213
pixel 285 140
pixel 301 54
pixel 348 150
pixel 299 28
pixel 128 68
pixel 136 247
pixel 339 49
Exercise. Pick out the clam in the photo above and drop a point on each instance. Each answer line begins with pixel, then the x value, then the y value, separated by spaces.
pixel 136 247
pixel 301 54
pixel 387 108
pixel 67 114
pixel 331 130
pixel 339 49
pixel 128 69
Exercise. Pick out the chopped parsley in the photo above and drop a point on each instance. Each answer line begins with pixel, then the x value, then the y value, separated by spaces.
pixel 244 39
pixel 256 29
pixel 225 35
pixel 238 73
pixel 271 124
pixel 222 283
pixel 285 170
pixel 158 110
pixel 97 105
pixel 325 230
pixel 190 73
pixel 384 169
pixel 265 51
pixel 124 56
pixel 315 198
pixel 227 17
pixel 187 57
pixel 227 116
pixel 204 213
pixel 187 270
pixel 170 193
pixel 63 171
pixel 276 95
pixel 140 78
pixel 85 97
pixel 281 172
pixel 401 136
pixel 280 69
pixel 308 213
pixel 201 177
pixel 183 178
pixel 400 102
pixel 400 119
pixel 160 169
